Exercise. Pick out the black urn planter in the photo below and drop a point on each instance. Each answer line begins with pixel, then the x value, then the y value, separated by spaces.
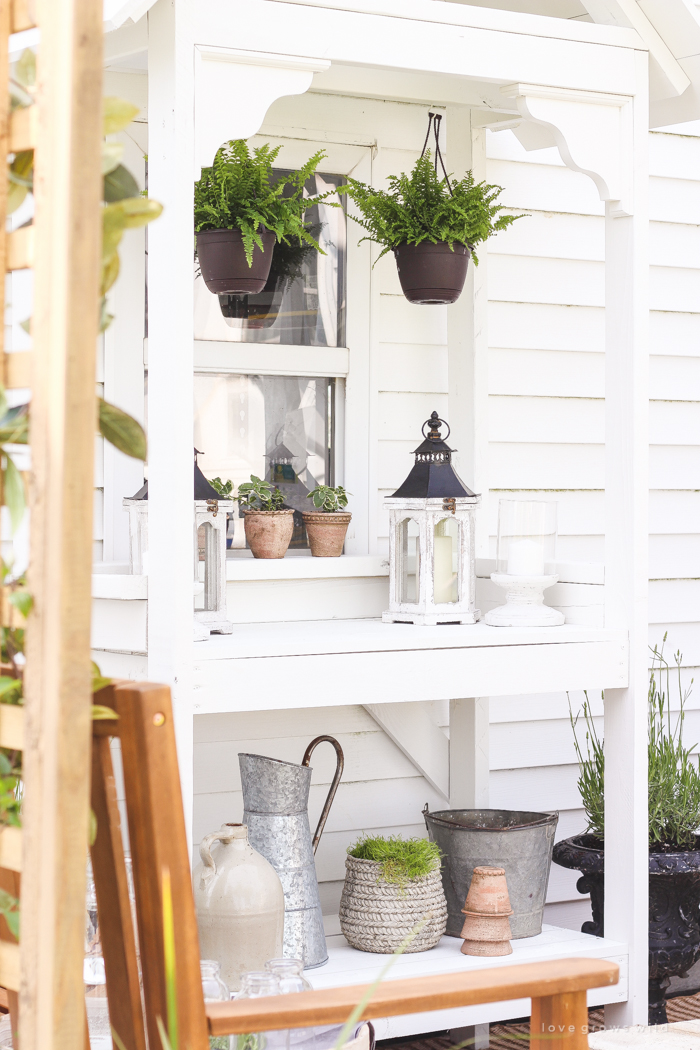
pixel 224 266
pixel 674 909
pixel 432 274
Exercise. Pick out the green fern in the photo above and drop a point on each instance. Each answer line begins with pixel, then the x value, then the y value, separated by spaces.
pixel 419 207
pixel 241 191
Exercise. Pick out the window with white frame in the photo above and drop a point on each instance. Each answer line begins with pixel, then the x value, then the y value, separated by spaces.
pixel 280 427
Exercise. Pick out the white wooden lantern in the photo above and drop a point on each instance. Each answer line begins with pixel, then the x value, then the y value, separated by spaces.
pixel 432 575
pixel 210 514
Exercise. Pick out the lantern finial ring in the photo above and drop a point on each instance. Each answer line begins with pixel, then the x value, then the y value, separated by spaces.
pixel 435 423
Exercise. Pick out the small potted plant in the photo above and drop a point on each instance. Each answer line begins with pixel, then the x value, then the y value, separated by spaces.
pixel 674 844
pixel 327 525
pixel 391 886
pixel 241 209
pixel 268 523
pixel 431 225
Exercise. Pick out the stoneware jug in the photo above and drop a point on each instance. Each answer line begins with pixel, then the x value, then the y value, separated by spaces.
pixel 275 809
pixel 240 904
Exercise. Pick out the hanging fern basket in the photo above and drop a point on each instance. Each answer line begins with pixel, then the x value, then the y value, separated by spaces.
pixel 430 273
pixel 224 265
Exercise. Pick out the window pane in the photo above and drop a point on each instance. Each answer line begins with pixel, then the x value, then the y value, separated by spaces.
pixel 408 554
pixel 303 302
pixel 276 427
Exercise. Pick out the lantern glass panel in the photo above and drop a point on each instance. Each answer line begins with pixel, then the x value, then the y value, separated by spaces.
pixel 527 537
pixel 445 562
pixel 408 552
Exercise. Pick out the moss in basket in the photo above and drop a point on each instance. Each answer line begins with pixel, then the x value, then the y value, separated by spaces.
pixel 401 859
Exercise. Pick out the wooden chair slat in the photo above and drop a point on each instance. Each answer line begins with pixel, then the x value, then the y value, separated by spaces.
pixel 12 727
pixel 18 370
pixel 559 1019
pixel 412 995
pixel 113 905
pixel 11 848
pixel 159 842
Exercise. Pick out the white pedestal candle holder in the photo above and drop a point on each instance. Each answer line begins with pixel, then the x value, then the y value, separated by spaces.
pixel 524 602
pixel 527 536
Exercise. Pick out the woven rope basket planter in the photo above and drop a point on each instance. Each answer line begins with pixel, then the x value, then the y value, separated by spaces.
pixel 375 916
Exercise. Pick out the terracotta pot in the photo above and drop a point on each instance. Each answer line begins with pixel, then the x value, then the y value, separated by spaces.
pixel 486 935
pixel 268 532
pixel 224 266
pixel 326 530
pixel 488 893
pixel 431 273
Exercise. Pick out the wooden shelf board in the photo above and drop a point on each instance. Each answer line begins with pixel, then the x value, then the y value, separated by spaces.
pixel 347 966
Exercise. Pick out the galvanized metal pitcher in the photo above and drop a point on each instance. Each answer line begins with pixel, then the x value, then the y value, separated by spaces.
pixel 275 801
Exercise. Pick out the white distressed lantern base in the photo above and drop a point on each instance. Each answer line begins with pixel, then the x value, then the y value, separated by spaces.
pixel 524 602
pixel 432 619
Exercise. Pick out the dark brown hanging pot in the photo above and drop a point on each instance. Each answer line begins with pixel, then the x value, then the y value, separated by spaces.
pixel 224 266
pixel 432 274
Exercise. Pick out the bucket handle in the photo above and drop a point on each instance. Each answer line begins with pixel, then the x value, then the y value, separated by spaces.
pixel 340 764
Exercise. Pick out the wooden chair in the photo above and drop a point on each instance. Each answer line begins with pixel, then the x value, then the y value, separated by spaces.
pixel 158 842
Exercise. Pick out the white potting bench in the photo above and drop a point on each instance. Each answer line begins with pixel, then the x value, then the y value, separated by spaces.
pixel 214 68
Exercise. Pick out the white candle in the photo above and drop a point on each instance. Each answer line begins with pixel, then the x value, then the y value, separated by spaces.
pixel 525 558
pixel 444 580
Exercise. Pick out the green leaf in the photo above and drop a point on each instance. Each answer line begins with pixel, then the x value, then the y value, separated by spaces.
pixel 25 70
pixel 26 325
pixel 9 908
pixel 139 211
pixel 23 601
pixel 10 689
pixel 100 713
pixel 14 492
pixel 118 184
pixel 98 681
pixel 112 153
pixel 121 430
pixel 117 114
pixel 92 828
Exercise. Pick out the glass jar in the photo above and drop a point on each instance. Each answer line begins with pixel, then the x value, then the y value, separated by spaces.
pixel 527 537
pixel 291 975
pixel 257 985
pixel 215 990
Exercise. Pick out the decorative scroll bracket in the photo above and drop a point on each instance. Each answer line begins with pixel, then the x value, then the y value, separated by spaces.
pixel 591 130
pixel 234 90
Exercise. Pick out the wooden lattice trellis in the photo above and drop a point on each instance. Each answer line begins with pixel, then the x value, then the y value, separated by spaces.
pixel 63 246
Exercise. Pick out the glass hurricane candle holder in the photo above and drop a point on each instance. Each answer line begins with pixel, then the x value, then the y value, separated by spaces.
pixel 527 538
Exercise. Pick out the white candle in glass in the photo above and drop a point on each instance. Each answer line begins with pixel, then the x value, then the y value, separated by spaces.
pixel 525 558
pixel 444 581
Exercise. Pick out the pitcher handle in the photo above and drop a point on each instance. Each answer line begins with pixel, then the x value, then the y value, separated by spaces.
pixel 222 835
pixel 340 765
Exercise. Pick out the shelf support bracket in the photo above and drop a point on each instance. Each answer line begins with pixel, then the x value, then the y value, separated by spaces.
pixel 248 82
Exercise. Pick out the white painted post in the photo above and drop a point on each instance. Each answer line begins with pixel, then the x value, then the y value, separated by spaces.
pixel 467 336
pixel 626 562
pixel 469 753
pixel 170 369
pixel 467 356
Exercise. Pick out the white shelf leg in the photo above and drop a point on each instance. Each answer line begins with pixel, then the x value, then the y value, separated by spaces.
pixel 469 753
pixel 626 568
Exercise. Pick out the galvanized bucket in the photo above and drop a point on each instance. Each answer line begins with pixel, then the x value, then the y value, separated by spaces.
pixel 521 842
pixel 275 801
